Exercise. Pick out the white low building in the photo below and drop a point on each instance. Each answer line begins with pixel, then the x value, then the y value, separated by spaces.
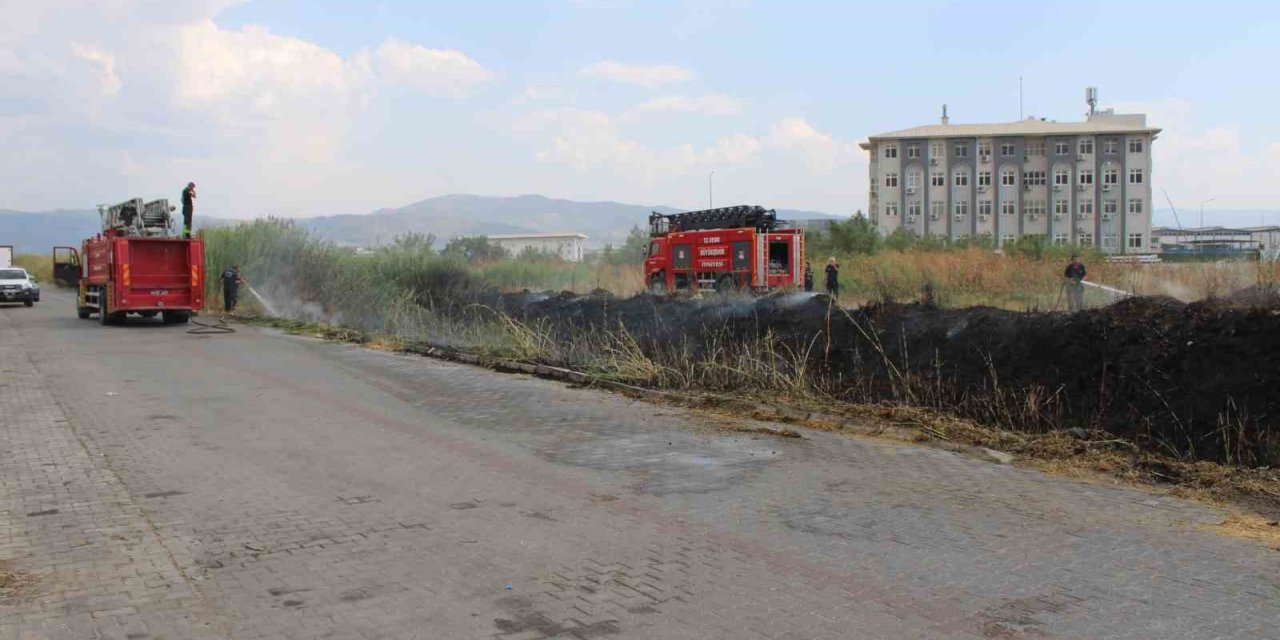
pixel 568 246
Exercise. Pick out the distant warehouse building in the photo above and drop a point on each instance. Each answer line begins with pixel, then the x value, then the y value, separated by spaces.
pixel 568 246
pixel 1079 183
pixel 1222 240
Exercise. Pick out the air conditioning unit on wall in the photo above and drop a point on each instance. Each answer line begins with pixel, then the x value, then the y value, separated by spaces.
pixel 959 217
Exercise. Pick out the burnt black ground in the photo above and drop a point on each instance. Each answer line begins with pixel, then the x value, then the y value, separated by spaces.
pixel 1196 379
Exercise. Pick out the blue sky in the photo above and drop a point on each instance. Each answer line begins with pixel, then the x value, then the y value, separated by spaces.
pixel 296 107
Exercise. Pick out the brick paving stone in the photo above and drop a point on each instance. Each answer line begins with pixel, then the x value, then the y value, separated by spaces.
pixel 262 486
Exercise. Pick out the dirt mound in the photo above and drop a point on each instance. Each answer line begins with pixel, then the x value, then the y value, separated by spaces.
pixel 1197 379
pixel 1259 296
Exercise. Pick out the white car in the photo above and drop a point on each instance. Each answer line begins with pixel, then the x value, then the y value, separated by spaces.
pixel 16 285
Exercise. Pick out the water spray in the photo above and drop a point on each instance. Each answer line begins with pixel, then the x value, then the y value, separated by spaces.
pixel 263 301
pixel 1123 294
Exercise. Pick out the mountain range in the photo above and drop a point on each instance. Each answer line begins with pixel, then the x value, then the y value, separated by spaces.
pixel 444 216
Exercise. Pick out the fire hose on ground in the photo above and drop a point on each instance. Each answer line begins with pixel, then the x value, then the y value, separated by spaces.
pixel 222 326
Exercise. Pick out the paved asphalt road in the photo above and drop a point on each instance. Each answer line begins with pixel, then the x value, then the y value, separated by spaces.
pixel 156 484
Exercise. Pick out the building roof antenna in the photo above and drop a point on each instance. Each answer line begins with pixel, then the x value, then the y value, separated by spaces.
pixel 1091 97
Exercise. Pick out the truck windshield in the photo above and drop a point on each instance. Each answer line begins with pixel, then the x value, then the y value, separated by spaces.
pixel 13 274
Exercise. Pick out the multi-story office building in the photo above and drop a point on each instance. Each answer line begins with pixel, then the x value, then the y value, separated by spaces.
pixel 1084 183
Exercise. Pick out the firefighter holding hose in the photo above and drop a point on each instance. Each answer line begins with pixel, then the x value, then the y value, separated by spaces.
pixel 231 281
pixel 1074 275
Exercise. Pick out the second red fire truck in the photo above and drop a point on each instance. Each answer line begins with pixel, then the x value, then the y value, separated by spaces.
pixel 730 248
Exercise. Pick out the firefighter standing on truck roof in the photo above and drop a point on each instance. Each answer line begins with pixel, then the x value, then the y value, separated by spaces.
pixel 188 207
pixel 1075 274
pixel 833 277
pixel 231 282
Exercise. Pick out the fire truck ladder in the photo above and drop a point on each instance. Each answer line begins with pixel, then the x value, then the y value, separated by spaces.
pixel 761 219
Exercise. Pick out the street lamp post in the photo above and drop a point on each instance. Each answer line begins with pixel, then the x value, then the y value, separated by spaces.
pixel 1202 203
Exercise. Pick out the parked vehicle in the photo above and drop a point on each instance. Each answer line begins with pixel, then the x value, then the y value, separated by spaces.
pixel 16 285
pixel 731 248
pixel 137 265
pixel 6 256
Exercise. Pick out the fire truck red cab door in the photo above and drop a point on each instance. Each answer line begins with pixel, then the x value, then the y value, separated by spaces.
pixel 66 266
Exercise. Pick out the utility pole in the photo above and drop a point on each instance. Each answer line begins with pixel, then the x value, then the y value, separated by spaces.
pixel 711 201
pixel 1202 203
pixel 1202 210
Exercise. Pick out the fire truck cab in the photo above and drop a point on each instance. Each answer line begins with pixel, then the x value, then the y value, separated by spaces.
pixel 730 248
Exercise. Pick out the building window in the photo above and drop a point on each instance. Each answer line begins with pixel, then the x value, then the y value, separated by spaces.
pixel 891 209
pixel 1035 148
pixel 1033 178
pixel 938 179
pixel 962 178
pixel 1108 206
pixel 1008 177
pixel 1108 241
pixel 962 207
pixel 961 150
pixel 1007 238
pixel 984 207
pixel 1061 207
pixel 1086 207
pixel 1059 239
pixel 913 208
pixel 1034 207
pixel 891 151
pixel 1085 239
pixel 1135 145
pixel 1086 176
pixel 1007 207
pixel 1135 176
pixel 913 151
pixel 1110 175
pixel 1135 206
pixel 913 179
pixel 936 150
pixel 984 149
pixel 890 179
pixel 1007 149
pixel 1086 146
pixel 1110 145
pixel 984 178
pixel 937 209
pixel 1061 147
pixel 1062 177
pixel 1135 241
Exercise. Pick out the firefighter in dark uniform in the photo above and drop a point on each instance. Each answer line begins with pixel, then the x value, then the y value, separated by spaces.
pixel 231 282
pixel 1075 274
pixel 808 276
pixel 188 208
pixel 833 277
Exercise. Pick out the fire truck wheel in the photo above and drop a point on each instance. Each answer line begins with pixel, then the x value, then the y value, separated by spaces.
pixel 658 285
pixel 176 317
pixel 83 312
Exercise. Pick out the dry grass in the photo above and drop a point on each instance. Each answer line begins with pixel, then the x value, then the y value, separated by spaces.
pixel 14 583
pixel 975 276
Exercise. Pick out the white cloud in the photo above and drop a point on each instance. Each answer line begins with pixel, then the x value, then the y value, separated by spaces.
pixel 252 67
pixel 591 140
pixel 436 70
pixel 1198 162
pixel 643 75
pixel 822 152
pixel 106 63
pixel 711 104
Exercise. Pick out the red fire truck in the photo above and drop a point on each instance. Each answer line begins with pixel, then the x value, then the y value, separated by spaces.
pixel 722 249
pixel 136 265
